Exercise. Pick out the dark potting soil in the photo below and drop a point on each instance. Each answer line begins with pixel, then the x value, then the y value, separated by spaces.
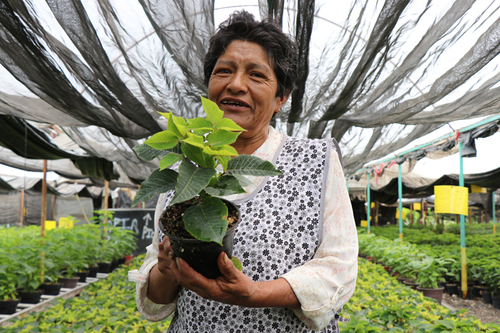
pixel 171 218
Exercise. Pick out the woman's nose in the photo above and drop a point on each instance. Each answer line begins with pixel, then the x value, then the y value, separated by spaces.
pixel 238 83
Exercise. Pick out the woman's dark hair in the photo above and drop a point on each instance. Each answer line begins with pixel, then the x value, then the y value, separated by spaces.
pixel 280 48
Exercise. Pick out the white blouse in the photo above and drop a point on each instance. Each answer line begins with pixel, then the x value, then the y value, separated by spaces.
pixel 322 285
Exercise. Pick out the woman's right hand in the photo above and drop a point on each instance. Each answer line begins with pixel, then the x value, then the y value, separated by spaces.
pixel 163 286
pixel 165 258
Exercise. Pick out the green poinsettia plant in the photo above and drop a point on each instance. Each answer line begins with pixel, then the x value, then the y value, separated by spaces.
pixel 209 168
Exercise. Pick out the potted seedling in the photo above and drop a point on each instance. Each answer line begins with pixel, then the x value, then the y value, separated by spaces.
pixel 198 162
pixel 430 273
pixel 8 279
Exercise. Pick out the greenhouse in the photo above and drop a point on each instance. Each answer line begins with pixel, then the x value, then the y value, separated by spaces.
pixel 106 108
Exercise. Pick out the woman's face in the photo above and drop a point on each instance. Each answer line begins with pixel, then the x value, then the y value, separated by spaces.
pixel 243 85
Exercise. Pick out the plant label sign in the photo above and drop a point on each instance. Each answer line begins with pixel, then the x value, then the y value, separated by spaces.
pixel 141 221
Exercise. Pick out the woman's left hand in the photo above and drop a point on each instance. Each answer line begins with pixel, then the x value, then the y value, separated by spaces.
pixel 234 287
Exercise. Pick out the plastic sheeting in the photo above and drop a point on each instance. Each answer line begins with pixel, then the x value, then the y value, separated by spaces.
pixel 373 74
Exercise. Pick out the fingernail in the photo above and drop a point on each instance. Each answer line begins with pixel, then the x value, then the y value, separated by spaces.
pixel 178 262
pixel 170 255
pixel 224 259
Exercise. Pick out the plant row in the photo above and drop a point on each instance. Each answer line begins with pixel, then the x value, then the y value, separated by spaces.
pixel 107 305
pixel 381 304
pixel 27 259
pixel 483 264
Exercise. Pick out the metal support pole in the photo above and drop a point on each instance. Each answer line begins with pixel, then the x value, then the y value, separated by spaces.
pixel 400 199
pixel 494 212
pixel 462 228
pixel 368 202
pixel 44 197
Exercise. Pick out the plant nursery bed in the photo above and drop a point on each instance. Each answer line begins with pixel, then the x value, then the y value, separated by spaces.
pixel 46 300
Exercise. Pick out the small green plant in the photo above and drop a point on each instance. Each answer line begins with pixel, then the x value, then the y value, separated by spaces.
pixel 209 167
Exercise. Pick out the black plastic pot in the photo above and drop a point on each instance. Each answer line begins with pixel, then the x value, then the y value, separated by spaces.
pixel 486 297
pixel 495 300
pixel 202 256
pixel 8 307
pixel 114 265
pixel 93 271
pixel 121 261
pixel 104 267
pixel 31 297
pixel 83 276
pixel 452 289
pixel 51 288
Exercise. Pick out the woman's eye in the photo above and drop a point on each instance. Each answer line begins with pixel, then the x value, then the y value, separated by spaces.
pixel 222 71
pixel 258 75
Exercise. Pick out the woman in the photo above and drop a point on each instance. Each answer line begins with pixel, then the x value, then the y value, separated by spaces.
pixel 297 239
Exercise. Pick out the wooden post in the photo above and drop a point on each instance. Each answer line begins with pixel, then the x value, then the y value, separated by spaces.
pixel 470 215
pixel 22 209
pixel 424 212
pixel 44 197
pixel 376 213
pixel 106 187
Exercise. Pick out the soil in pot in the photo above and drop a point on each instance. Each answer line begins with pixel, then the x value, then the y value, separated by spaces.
pixel 9 306
pixel 83 276
pixel 93 271
pixel 51 288
pixel 486 297
pixel 31 297
pixel 68 282
pixel 104 267
pixel 437 294
pixel 201 256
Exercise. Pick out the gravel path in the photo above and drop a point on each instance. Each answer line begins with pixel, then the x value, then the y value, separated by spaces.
pixel 486 313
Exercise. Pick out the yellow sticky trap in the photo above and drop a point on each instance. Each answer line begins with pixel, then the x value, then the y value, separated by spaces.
pixel 417 206
pixel 364 223
pixel 478 189
pixel 451 200
pixel 372 205
pixel 397 213
pixel 64 222
pixel 49 225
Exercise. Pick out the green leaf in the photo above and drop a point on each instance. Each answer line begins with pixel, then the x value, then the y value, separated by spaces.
pixel 221 137
pixel 191 181
pixel 229 125
pixel 200 126
pixel 251 166
pixel 195 154
pixel 195 140
pixel 226 185
pixel 157 182
pixel 237 263
pixel 169 160
pixel 244 181
pixel 223 160
pixel 225 150
pixel 207 221
pixel 162 140
pixel 147 153
pixel 172 126
pixel 214 114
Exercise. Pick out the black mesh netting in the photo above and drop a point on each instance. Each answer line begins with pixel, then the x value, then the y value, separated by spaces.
pixel 376 75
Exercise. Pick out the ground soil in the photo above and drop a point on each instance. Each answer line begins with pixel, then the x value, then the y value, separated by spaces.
pixel 486 313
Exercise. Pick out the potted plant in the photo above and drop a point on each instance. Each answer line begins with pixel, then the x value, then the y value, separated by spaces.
pixel 430 273
pixel 207 168
pixel 8 279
